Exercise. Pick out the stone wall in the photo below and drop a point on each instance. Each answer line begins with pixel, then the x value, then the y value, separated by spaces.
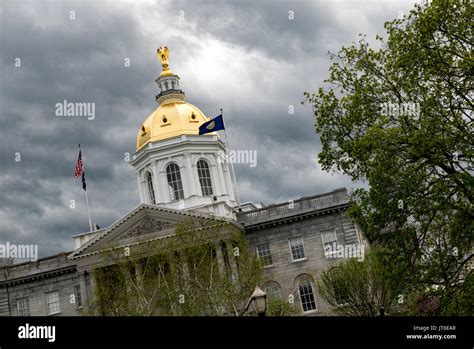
pixel 34 280
pixel 306 218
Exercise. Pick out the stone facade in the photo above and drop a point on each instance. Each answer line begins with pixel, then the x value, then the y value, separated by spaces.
pixel 303 220
pixel 33 280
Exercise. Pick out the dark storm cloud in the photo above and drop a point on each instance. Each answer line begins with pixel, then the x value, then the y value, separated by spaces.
pixel 281 29
pixel 246 57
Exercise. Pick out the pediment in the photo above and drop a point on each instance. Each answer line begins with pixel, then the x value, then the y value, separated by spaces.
pixel 140 228
pixel 144 223
pixel 148 225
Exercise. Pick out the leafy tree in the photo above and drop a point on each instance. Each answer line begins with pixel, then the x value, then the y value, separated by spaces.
pixel 355 288
pixel 189 273
pixel 279 307
pixel 400 117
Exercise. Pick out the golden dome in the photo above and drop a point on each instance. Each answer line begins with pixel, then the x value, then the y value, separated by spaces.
pixel 172 118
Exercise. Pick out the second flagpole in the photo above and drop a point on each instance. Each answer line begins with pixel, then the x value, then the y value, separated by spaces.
pixel 88 211
pixel 85 189
pixel 231 165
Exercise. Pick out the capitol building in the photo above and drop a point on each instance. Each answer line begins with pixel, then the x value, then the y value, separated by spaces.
pixel 181 175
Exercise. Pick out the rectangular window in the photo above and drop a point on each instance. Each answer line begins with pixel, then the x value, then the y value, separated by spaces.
pixel 329 242
pixel 297 249
pixel 77 295
pixel 264 254
pixel 52 302
pixel 23 306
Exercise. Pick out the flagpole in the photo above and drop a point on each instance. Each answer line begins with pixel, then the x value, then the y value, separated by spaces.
pixel 231 164
pixel 87 198
pixel 88 211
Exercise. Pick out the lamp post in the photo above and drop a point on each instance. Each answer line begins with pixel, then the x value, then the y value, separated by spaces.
pixel 259 301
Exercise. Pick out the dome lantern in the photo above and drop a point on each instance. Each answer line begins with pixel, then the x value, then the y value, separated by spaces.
pixel 174 116
pixel 167 82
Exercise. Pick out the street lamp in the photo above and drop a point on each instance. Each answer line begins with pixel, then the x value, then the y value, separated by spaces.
pixel 259 301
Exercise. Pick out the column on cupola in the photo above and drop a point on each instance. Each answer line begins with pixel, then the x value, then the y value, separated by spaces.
pixel 226 179
pixel 185 180
pixel 140 189
pixel 232 184
pixel 189 173
pixel 219 179
pixel 156 181
pixel 163 185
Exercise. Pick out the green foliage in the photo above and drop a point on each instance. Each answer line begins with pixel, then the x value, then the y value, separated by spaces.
pixel 180 275
pixel 400 116
pixel 279 307
pixel 461 300
pixel 356 288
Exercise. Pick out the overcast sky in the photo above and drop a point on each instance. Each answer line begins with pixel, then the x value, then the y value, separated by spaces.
pixel 249 58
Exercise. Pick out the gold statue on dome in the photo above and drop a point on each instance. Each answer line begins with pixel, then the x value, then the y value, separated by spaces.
pixel 163 55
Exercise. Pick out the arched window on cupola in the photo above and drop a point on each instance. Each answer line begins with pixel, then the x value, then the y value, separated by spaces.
pixel 149 185
pixel 204 178
pixel 175 184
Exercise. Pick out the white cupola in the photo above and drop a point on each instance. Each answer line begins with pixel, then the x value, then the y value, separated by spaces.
pixel 176 167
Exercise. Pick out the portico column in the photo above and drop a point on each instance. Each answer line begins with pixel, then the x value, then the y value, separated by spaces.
pixel 84 291
pixel 185 269
pixel 92 296
pixel 232 262
pixel 220 259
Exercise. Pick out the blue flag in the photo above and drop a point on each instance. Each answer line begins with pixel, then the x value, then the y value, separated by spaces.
pixel 212 125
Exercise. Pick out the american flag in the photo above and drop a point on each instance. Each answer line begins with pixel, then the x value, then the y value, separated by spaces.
pixel 80 170
pixel 79 166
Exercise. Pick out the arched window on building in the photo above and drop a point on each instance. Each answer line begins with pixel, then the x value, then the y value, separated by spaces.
pixel 204 178
pixel 273 290
pixel 175 184
pixel 149 186
pixel 305 288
